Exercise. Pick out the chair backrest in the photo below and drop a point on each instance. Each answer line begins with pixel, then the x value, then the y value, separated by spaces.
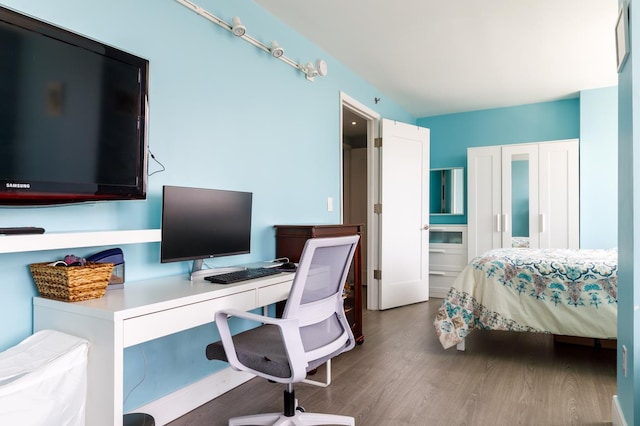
pixel 316 297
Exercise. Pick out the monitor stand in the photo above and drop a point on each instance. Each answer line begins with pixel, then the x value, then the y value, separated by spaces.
pixel 198 272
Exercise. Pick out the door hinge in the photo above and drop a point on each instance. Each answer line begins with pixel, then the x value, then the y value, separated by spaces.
pixel 377 208
pixel 377 143
pixel 377 274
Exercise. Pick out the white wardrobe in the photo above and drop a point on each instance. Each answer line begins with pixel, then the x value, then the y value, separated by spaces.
pixel 524 195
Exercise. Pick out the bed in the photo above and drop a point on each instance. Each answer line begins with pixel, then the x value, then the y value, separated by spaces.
pixel 559 291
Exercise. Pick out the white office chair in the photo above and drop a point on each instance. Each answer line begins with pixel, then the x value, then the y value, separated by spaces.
pixel 312 330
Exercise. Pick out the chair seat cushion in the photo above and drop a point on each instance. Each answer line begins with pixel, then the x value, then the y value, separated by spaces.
pixel 260 349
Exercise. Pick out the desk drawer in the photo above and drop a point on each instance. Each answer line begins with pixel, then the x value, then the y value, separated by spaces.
pixel 273 293
pixel 147 327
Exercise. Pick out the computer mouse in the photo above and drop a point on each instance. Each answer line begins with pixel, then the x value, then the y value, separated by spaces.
pixel 288 266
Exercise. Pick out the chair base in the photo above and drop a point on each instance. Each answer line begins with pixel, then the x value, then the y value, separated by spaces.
pixel 298 419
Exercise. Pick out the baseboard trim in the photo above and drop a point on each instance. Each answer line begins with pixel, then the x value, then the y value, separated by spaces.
pixel 180 402
pixel 617 416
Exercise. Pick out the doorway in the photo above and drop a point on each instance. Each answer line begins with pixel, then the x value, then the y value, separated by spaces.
pixel 359 127
pixel 400 244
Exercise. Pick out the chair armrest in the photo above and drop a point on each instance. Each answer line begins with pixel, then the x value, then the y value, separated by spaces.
pixel 226 313
pixel 289 328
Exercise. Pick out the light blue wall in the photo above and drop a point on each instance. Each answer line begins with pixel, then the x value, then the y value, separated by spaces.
pixel 223 114
pixel 598 168
pixel 452 134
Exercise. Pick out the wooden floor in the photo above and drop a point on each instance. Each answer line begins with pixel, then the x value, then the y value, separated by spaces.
pixel 402 376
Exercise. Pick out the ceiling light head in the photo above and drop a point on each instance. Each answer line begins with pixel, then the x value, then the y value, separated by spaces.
pixel 321 66
pixel 276 50
pixel 237 28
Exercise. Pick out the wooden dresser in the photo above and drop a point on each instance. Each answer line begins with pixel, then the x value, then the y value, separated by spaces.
pixel 290 240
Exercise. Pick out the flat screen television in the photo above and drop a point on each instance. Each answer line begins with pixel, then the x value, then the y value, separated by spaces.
pixel 201 223
pixel 73 116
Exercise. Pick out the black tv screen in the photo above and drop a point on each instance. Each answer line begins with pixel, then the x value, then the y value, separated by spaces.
pixel 200 223
pixel 72 118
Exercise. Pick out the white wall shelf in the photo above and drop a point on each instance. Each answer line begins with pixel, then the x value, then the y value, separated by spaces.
pixel 60 240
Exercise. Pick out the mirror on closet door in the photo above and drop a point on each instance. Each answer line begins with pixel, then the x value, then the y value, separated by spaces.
pixel 446 192
pixel 520 201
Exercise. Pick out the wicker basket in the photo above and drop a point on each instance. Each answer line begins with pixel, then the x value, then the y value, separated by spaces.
pixel 71 283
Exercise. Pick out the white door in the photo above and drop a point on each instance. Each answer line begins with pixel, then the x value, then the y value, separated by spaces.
pixel 484 189
pixel 404 219
pixel 559 195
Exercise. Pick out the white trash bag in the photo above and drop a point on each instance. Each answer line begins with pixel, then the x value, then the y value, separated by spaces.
pixel 43 381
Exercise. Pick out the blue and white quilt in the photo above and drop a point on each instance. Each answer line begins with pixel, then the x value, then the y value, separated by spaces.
pixel 559 291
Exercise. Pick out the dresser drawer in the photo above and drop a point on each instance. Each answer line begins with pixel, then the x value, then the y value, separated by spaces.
pixel 453 257
pixel 440 282
pixel 437 275
pixel 438 270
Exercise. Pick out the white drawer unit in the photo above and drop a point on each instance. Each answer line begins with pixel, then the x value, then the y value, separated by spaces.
pixel 447 256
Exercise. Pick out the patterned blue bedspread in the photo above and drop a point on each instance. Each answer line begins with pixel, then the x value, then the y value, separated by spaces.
pixel 559 291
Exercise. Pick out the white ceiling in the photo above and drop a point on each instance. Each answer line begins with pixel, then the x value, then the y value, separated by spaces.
pixel 438 57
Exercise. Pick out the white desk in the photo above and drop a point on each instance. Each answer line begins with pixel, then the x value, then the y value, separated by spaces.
pixel 142 311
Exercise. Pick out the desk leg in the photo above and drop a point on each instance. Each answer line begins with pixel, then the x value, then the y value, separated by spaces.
pixel 105 363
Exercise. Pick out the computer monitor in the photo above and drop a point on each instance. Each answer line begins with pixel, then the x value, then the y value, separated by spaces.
pixel 200 223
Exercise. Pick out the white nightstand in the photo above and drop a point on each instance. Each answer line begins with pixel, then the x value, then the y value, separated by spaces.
pixel 447 256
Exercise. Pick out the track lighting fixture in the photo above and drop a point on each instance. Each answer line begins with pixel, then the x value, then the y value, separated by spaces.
pixel 237 29
pixel 312 71
pixel 276 50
